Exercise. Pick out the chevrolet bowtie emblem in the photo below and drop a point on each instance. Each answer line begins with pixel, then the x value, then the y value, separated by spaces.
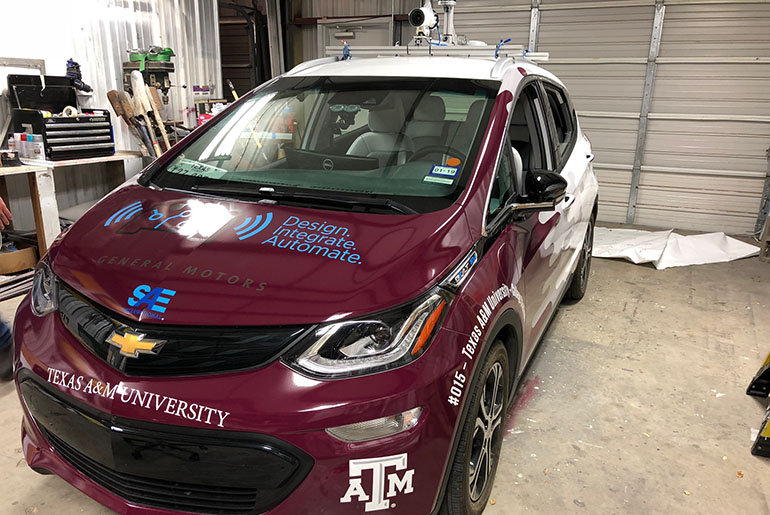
pixel 132 344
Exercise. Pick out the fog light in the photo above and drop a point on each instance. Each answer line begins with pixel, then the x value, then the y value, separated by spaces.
pixel 377 428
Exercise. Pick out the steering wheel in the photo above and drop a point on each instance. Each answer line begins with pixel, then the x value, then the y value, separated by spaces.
pixel 438 149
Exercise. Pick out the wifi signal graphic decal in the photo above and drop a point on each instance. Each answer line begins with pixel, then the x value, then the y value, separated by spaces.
pixel 249 228
pixel 126 213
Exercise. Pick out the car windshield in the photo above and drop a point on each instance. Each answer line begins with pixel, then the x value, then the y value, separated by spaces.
pixel 354 143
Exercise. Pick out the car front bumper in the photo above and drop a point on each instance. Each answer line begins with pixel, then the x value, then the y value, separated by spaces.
pixel 245 442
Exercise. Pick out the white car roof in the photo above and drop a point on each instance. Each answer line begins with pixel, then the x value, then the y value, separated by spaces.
pixel 401 66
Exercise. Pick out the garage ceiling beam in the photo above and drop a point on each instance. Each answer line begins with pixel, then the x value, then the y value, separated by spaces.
pixel 649 81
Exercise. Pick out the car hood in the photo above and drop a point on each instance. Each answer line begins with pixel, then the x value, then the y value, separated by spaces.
pixel 162 256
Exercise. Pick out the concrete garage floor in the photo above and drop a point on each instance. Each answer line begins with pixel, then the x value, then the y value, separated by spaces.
pixel 634 403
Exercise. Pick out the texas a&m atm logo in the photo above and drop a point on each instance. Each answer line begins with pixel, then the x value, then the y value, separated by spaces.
pixel 384 485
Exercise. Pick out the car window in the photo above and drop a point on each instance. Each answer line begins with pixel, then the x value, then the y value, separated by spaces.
pixel 542 129
pixel 458 107
pixel 562 120
pixel 411 140
pixel 502 188
pixel 527 131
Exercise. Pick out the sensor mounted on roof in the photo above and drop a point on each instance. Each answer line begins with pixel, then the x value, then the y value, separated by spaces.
pixel 425 20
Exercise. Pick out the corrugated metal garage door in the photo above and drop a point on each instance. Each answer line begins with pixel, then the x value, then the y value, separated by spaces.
pixel 704 160
pixel 601 55
pixel 492 20
pixel 705 164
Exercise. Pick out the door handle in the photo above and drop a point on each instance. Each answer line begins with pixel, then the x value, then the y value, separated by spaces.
pixel 568 201
pixel 590 157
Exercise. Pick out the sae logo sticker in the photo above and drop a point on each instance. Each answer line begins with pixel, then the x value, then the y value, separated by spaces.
pixel 146 297
pixel 384 485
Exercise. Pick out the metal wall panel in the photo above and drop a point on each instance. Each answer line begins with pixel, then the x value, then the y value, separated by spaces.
pixel 610 32
pixel 708 145
pixel 705 162
pixel 600 54
pixel 717 30
pixel 490 6
pixel 613 139
pixel 309 34
pixel 479 20
pixel 724 89
pixel 615 88
pixel 492 20
pixel 319 8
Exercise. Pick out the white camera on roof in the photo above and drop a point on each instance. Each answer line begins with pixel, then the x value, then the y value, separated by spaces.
pixel 423 17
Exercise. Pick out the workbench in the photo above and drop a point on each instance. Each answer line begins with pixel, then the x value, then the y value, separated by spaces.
pixel 43 192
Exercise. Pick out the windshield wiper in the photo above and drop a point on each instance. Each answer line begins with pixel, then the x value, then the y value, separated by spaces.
pixel 315 198
pixel 225 157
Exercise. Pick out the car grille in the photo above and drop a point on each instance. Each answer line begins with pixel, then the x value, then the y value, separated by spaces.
pixel 190 350
pixel 167 467
pixel 170 495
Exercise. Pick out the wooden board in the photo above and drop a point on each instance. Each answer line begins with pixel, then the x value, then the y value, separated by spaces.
pixel 22 259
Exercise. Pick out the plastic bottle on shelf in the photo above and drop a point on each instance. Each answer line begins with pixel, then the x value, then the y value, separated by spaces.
pixel 22 145
pixel 36 149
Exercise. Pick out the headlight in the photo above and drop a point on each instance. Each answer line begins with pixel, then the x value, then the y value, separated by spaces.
pixel 43 294
pixel 357 347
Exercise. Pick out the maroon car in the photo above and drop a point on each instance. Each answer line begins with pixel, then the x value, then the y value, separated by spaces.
pixel 319 302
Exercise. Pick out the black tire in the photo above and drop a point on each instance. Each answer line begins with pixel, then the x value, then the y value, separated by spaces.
pixel 579 284
pixel 481 438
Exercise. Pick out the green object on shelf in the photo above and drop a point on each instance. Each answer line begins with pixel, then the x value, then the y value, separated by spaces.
pixel 161 54
pixel 155 53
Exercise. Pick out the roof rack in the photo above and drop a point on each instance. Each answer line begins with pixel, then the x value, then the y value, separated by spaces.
pixel 470 51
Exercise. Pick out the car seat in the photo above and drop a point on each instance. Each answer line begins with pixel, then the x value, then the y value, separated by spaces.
pixel 427 127
pixel 385 138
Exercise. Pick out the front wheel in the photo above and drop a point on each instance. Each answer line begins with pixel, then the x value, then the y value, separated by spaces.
pixel 475 464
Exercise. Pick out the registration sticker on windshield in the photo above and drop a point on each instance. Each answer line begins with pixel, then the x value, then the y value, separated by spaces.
pixel 442 174
pixel 196 169
pixel 439 180
pixel 444 171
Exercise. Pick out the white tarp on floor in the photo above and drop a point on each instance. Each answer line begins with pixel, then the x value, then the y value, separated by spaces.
pixel 666 249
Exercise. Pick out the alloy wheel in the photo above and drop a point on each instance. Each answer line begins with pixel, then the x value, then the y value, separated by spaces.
pixel 487 433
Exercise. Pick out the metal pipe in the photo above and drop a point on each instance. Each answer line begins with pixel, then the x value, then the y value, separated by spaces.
pixel 641 138
pixel 448 35
pixel 534 26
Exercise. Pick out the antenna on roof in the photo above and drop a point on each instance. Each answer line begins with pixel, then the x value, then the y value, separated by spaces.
pixel 346 51
pixel 500 45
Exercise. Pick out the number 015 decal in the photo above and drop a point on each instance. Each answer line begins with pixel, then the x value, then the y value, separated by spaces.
pixel 468 352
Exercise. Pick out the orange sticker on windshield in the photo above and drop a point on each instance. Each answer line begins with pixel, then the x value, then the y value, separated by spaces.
pixel 453 161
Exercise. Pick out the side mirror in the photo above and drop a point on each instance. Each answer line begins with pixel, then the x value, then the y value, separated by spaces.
pixel 544 191
pixel 546 187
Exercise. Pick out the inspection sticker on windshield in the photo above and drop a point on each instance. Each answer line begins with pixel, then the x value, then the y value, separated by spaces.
pixel 442 174
pixel 197 169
